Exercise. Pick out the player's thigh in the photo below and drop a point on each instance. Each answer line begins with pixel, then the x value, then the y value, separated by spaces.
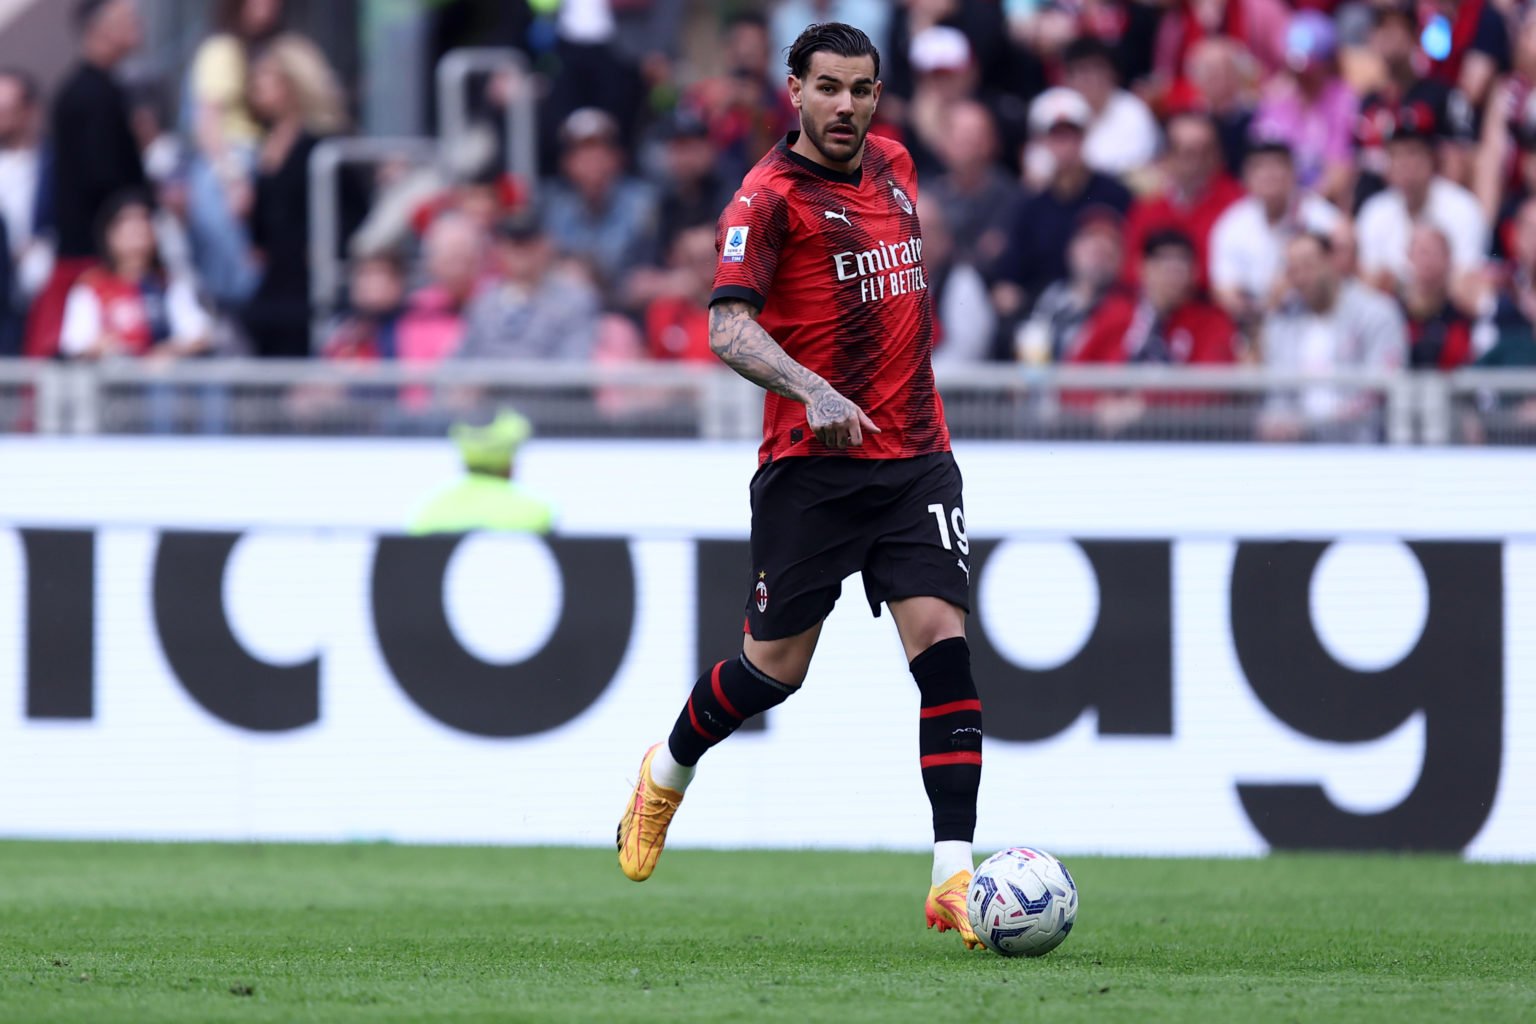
pixel 923 551
pixel 786 660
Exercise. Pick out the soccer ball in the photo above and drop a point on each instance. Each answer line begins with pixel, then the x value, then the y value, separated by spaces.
pixel 1022 902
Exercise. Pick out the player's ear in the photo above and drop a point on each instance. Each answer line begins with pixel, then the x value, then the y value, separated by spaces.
pixel 879 88
pixel 795 86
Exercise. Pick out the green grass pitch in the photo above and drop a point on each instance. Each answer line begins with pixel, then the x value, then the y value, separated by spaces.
pixel 124 932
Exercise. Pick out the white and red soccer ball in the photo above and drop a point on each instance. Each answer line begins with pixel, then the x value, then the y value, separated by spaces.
pixel 1022 902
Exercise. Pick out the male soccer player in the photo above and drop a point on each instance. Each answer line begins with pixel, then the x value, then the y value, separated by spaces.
pixel 821 298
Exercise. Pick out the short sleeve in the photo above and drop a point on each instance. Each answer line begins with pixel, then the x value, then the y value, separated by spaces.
pixel 1225 262
pixel 82 327
pixel 190 323
pixel 749 240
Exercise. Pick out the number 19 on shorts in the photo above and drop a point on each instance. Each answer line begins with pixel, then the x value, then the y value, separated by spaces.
pixel 953 523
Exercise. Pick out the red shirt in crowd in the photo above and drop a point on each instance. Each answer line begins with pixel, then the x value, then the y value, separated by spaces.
pixel 1194 218
pixel 1125 331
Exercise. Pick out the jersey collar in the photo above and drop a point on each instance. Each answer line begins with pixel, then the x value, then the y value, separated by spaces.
pixel 817 169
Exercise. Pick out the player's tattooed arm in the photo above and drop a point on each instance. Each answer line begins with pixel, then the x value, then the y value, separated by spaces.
pixel 743 345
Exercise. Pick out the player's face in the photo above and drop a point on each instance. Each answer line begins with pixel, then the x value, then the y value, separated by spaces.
pixel 836 100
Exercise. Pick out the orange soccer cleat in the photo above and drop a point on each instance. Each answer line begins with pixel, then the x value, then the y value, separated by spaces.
pixel 946 908
pixel 643 829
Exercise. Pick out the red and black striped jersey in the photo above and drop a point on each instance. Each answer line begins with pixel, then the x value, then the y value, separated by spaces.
pixel 834 262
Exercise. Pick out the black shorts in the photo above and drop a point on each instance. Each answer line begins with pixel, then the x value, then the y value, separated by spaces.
pixel 816 520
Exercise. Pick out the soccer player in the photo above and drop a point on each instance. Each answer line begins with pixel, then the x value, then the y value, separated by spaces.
pixel 821 298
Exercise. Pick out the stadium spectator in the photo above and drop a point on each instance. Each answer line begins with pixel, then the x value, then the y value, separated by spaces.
pixel 1197 192
pixel 370 329
pixel 534 309
pixel 1121 134
pixel 1439 331
pixel 1311 109
pixel 1513 302
pixel 691 187
pixel 677 320
pixel 94 156
pixel 1217 77
pixel 1257 25
pixel 20 167
pixel 945 74
pixel 1043 222
pixel 980 22
pixel 1416 193
pixel 1164 321
pixel 1325 324
pixel 590 71
pixel 129 306
pixel 1248 241
pixel 1055 324
pixel 1394 43
pixel 217 118
pixel 487 498
pixel 1467 42
pixel 295 96
pixel 748 107
pixel 1505 168
pixel 598 213
pixel 967 324
pixel 433 326
pixel 974 195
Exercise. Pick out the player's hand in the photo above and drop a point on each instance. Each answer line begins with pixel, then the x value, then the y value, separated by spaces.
pixel 837 422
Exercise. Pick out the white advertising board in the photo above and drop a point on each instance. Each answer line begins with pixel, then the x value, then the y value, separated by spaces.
pixel 1180 651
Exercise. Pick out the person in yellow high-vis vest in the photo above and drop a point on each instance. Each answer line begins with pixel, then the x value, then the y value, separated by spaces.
pixel 487 498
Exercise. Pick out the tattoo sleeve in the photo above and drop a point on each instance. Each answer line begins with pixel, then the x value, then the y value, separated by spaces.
pixel 743 345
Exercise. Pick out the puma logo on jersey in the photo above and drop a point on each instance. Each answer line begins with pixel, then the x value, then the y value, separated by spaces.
pixel 964 568
pixel 747 200
pixel 841 215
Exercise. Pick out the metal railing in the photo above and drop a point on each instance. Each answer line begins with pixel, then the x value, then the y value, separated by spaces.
pixel 1482 407
pixel 1001 402
pixel 455 72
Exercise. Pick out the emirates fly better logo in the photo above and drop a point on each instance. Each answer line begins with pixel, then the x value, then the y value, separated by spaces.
pixel 885 271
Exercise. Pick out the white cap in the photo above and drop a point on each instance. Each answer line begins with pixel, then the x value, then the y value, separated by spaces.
pixel 1057 106
pixel 940 48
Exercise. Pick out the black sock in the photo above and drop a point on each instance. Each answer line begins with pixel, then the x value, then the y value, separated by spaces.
pixel 949 737
pixel 724 697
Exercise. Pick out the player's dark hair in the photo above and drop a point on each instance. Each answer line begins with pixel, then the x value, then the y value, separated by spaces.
pixel 1168 238
pixel 830 37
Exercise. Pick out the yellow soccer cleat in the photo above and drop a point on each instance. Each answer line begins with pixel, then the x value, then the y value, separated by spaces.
pixel 946 908
pixel 643 829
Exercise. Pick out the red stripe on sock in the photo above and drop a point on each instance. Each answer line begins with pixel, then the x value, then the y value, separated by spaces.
pixel 696 726
pixel 714 682
pixel 950 708
pixel 954 757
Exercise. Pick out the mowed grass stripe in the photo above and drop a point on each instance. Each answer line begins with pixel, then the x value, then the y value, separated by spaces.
pixel 138 932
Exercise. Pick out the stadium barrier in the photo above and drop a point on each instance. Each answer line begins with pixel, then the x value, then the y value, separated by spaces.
pixel 658 400
pixel 1215 649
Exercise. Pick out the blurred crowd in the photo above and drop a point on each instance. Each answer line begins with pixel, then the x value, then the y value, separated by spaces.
pixel 1330 185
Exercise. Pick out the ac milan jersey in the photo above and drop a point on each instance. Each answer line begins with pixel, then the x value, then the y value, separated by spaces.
pixel 834 262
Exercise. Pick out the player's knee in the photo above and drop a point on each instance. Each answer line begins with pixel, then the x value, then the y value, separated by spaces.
pixel 925 622
pixel 781 660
